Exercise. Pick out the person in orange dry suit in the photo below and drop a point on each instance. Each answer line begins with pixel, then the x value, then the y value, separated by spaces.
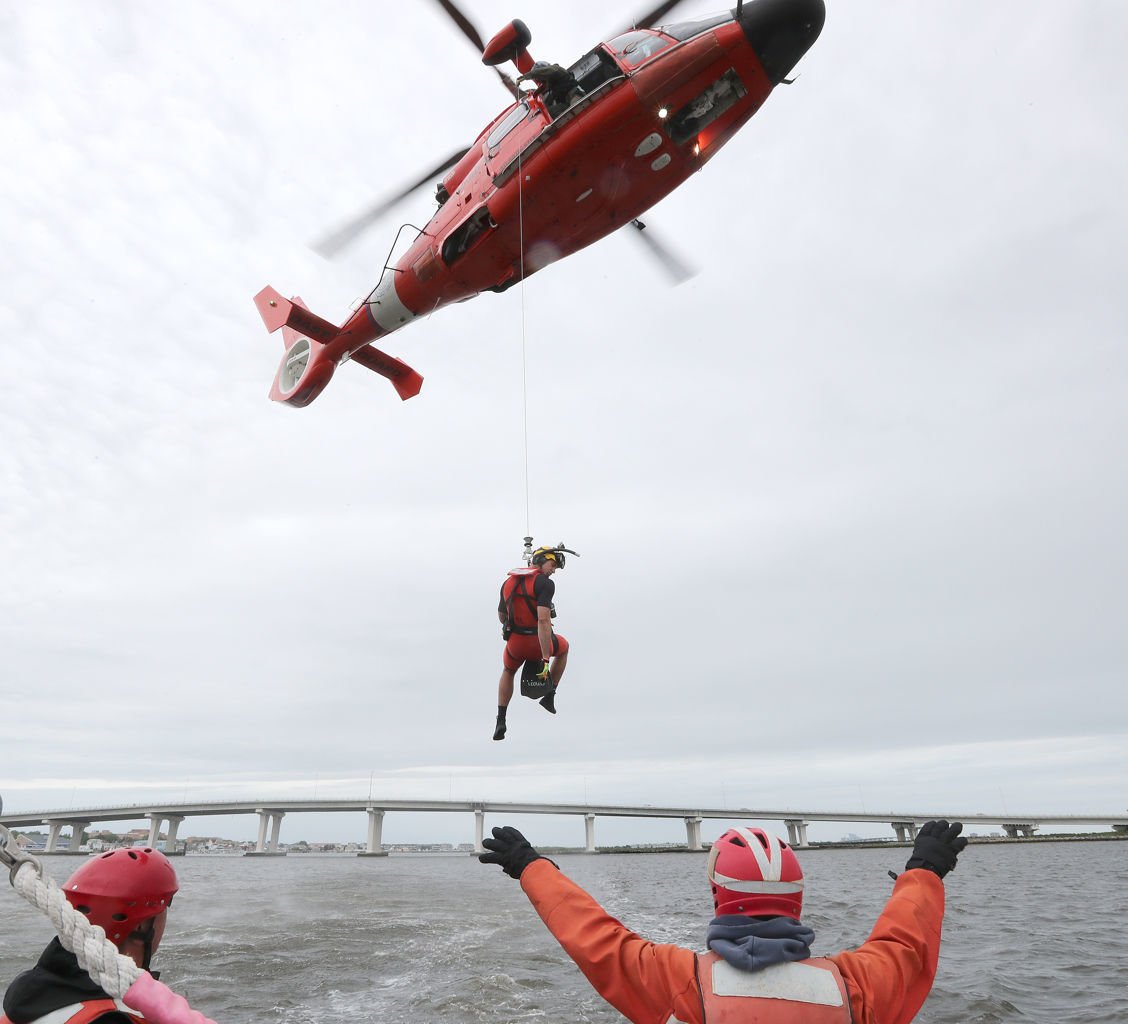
pixel 127 893
pixel 759 967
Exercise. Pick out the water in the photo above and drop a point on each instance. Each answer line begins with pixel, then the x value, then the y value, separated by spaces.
pixel 1034 932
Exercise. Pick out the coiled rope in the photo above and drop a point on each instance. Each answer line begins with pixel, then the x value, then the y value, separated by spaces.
pixel 115 974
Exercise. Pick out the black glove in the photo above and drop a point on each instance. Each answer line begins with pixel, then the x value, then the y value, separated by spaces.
pixel 510 849
pixel 937 846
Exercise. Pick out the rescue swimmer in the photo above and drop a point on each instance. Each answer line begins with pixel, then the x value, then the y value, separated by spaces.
pixel 127 893
pixel 759 967
pixel 526 611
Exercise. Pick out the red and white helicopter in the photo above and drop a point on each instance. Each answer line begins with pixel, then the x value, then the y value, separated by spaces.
pixel 582 152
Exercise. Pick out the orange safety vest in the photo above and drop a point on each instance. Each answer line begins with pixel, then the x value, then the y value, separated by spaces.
pixel 800 992
pixel 520 601
pixel 84 1013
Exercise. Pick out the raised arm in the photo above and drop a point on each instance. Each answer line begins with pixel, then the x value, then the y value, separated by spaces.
pixel 890 975
pixel 645 981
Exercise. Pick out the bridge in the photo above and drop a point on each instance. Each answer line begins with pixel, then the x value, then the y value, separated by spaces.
pixel 271 813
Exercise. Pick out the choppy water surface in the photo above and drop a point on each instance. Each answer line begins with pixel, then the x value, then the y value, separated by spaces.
pixel 1034 932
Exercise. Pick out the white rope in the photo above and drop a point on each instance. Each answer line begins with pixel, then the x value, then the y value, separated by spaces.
pixel 96 955
pixel 115 974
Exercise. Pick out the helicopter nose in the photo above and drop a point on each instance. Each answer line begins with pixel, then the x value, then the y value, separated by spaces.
pixel 781 31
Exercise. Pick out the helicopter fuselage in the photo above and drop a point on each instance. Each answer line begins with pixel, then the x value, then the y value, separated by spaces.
pixel 558 170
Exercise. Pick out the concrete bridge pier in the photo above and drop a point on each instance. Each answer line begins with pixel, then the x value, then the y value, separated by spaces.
pixel 589 833
pixel 375 828
pixel 262 847
pixel 78 834
pixel 479 830
pixel 1016 829
pixel 53 830
pixel 155 821
pixel 693 833
pixel 906 831
pixel 173 827
pixel 797 833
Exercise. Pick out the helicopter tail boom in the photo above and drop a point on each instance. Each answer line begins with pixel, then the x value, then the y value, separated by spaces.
pixel 314 347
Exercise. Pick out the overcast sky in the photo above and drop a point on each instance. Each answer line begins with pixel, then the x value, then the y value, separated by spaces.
pixel 850 503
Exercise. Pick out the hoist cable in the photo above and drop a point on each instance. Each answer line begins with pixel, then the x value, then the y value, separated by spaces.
pixel 524 358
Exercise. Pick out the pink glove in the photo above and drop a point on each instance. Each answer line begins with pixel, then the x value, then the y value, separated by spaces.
pixel 155 1001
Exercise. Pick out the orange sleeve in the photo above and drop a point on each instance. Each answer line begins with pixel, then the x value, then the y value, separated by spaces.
pixel 890 975
pixel 645 981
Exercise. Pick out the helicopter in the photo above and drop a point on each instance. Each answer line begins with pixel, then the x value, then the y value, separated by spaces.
pixel 579 153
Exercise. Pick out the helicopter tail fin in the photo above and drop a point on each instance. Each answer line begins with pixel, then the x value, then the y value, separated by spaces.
pixel 293 314
pixel 305 369
pixel 404 379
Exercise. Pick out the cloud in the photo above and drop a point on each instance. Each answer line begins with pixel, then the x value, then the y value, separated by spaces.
pixel 849 503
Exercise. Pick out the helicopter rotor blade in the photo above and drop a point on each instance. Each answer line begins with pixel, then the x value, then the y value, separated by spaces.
pixel 466 26
pixel 676 269
pixel 330 245
pixel 651 18
pixel 464 23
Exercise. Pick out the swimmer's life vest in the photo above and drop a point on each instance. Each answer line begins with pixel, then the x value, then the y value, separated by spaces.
pixel 801 992
pixel 85 1012
pixel 517 592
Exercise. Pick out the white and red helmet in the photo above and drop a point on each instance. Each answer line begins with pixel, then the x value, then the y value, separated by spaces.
pixel 754 873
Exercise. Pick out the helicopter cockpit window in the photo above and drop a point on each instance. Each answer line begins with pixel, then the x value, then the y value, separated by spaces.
pixel 593 69
pixel 635 48
pixel 684 30
pixel 506 125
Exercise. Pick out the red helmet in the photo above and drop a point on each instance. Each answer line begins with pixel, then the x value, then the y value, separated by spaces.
pixel 754 873
pixel 122 888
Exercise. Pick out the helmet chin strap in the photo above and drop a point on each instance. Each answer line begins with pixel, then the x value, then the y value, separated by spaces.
pixel 146 933
pixel 148 957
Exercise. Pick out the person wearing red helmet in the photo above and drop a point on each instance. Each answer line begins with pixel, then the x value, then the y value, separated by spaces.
pixel 125 892
pixel 759 965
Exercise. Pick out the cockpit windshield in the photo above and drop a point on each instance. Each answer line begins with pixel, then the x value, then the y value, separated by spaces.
pixel 635 48
pixel 683 30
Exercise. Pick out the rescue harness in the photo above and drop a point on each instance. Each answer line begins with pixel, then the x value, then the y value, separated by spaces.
pixel 519 594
